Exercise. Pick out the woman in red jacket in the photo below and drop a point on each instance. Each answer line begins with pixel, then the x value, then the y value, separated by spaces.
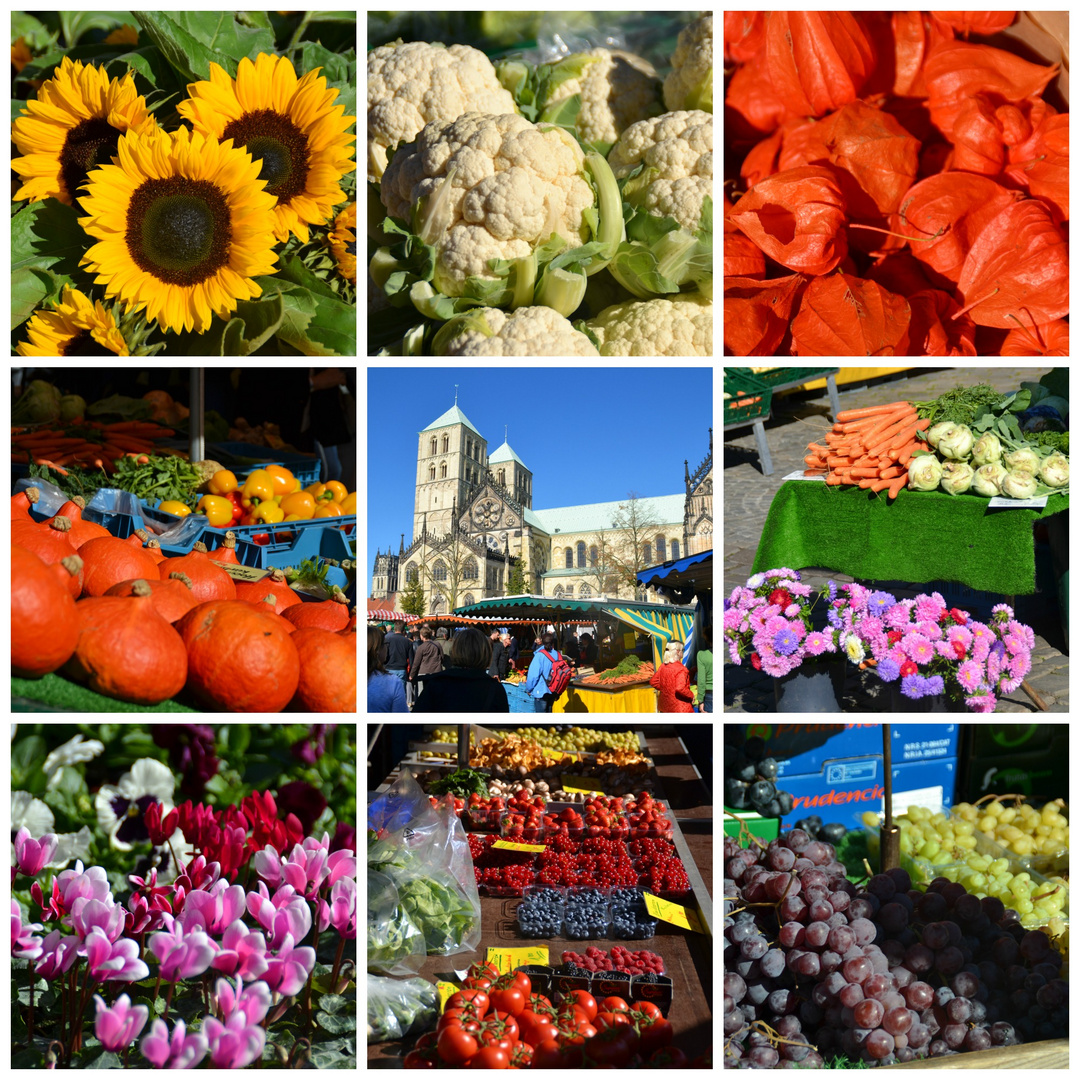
pixel 673 681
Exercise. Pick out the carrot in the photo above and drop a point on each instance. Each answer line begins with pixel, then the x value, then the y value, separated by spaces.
pixel 813 462
pixel 815 448
pixel 890 473
pixel 907 453
pixel 865 472
pixel 870 410
pixel 897 484
pixel 833 479
pixel 905 436
pixel 896 436
pixel 879 485
pixel 51 465
pixel 888 421
pixel 21 456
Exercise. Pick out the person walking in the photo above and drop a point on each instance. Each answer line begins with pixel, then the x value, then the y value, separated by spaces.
pixel 537 683
pixel 705 671
pixel 385 692
pixel 673 681
pixel 427 660
pixel 398 650
pixel 500 658
pixel 465 687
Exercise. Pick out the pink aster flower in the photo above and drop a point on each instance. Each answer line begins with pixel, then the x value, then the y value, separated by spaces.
pixel 919 648
pixel 234 1044
pixel 182 954
pixel 253 1002
pixel 120 1026
pixel 31 855
pixel 969 675
pixel 178 1051
pixel 113 961
pixel 242 952
pixel 289 969
pixel 817 643
pixel 983 703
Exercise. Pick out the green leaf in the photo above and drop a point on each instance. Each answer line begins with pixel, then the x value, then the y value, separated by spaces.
pixel 336 1024
pixel 76 23
pixel 253 323
pixel 191 41
pixel 36 34
pixel 27 757
pixel 47 235
pixel 333 1003
pixel 334 326
pixel 107 1060
pixel 29 290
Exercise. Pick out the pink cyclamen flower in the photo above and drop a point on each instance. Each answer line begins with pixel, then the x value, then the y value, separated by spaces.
pixel 285 913
pixel 58 953
pixel 119 1027
pixel 178 1051
pixel 113 962
pixel 32 855
pixel 253 1002
pixel 104 914
pixel 234 1044
pixel 214 910
pixel 181 954
pixel 341 911
pixel 24 944
pixel 242 953
pixel 289 970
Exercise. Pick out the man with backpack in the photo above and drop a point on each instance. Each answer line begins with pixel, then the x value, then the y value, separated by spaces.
pixel 549 674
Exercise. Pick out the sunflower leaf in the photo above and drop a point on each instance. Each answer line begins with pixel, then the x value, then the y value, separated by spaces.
pixel 254 323
pixel 46 235
pixel 76 23
pixel 191 40
pixel 30 288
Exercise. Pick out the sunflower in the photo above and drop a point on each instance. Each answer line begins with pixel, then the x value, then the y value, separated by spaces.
pixel 290 125
pixel 184 224
pixel 75 327
pixel 72 127
pixel 343 242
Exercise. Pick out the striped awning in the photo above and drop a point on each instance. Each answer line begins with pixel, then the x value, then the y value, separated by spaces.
pixel 662 626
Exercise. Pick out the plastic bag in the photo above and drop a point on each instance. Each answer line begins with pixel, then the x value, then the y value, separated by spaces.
pixel 398 1007
pixel 395 946
pixel 425 852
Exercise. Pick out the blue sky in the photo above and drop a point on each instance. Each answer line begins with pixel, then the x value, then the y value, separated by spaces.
pixel 588 434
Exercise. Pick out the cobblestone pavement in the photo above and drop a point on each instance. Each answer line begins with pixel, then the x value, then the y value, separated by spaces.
pixel 804 417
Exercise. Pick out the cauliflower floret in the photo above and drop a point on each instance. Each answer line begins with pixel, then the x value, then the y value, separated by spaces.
pixel 412 84
pixel 677 150
pixel 689 86
pixel 679 327
pixel 512 184
pixel 616 91
pixel 527 331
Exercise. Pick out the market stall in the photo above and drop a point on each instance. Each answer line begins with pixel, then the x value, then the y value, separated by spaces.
pixel 583 930
pixel 918 896
pixel 195 548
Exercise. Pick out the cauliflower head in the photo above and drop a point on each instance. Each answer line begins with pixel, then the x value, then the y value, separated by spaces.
pixel 676 150
pixel 499 186
pixel 616 90
pixel 413 83
pixel 689 86
pixel 678 327
pixel 526 331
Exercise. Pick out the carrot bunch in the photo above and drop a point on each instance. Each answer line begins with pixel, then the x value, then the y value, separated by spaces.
pixel 869 447
pixel 92 444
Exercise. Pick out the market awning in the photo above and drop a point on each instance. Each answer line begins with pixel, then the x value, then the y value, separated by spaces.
pixel 375 613
pixel 681 579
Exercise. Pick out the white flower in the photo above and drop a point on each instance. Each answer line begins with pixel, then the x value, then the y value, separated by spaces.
pixel 71 753
pixel 38 818
pixel 120 807
pixel 854 649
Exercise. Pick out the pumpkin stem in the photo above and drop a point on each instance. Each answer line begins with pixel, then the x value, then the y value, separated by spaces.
pixel 270 599
pixel 200 546
pixel 72 564
pixel 230 540
pixel 79 501
pixel 140 588
pixel 154 544
pixel 181 577
pixel 61 524
pixel 143 535
pixel 32 494
pixel 339 597
pixel 276 576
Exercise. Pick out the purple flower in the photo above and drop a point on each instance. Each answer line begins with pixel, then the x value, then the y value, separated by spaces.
pixel 113 962
pixel 253 1003
pixel 119 1027
pixel 785 642
pixel 911 686
pixel 180 1051
pixel 289 970
pixel 191 751
pixel 242 952
pixel 934 685
pixel 301 799
pixel 234 1044
pixel 33 855
pixel 879 602
pixel 58 953
pixel 344 838
pixel 888 670
pixel 182 955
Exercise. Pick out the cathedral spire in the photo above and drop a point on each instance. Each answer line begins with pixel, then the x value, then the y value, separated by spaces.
pixel 455 393
pixel 401 547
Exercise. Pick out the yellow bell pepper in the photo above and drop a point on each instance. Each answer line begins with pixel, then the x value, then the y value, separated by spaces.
pixel 320 492
pixel 258 488
pixel 338 488
pixel 222 482
pixel 300 503
pixel 284 481
pixel 174 506
pixel 348 505
pixel 218 510
pixel 327 509
pixel 268 513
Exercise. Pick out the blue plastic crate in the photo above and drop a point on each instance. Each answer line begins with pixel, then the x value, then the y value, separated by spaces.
pixel 305 467
pixel 289 542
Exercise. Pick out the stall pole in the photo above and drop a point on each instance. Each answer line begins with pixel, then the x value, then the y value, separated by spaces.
pixel 890 833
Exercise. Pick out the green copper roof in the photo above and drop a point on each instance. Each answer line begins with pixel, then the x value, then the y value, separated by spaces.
pixel 597 517
pixel 505 453
pixel 452 416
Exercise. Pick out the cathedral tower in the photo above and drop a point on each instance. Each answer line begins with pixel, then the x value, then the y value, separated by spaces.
pixel 450 461
pixel 511 472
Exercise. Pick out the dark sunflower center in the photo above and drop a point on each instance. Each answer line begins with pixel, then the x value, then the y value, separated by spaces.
pixel 178 229
pixel 350 247
pixel 83 344
pixel 279 145
pixel 88 144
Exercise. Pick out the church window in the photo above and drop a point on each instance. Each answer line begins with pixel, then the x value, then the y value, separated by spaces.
pixel 569 554
pixel 410 573
pixel 468 447
pixel 502 477
pixel 470 572
pixel 468 599
pixel 442 470
pixel 445 443
pixel 558 592
pixel 438 571
pixel 584 592
pixel 434 445
pixel 431 472
pixel 594 555
pixel 581 554
pixel 646 553
pixel 569 592
pixel 661 549
pixel 436 605
pixel 674 549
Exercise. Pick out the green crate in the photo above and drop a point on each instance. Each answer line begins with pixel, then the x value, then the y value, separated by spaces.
pixel 781 376
pixel 746 414
pixel 764 828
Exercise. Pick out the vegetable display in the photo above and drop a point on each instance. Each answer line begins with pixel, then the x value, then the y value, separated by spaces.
pixel 397 1007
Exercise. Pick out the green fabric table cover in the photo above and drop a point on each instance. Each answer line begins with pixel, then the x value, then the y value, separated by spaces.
pixel 56 692
pixel 919 536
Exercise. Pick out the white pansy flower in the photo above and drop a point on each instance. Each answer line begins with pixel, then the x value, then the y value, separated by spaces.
pixel 120 808
pixel 71 753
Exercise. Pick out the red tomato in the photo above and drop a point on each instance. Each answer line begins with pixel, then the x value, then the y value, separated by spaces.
pixel 415 1060
pixel 658 1034
pixel 585 1001
pixel 484 967
pixel 490 1057
pixel 477 982
pixel 539 1004
pixel 614 1004
pixel 610 1050
pixel 605 1020
pixel 535 1028
pixel 670 1056
pixel 521 1056
pixel 457 1046
pixel 477 999
pixel 455 1018
pixel 651 1010
pixel 547 1055
pixel 524 983
pixel 427 1041
pixel 510 1000
pixel 501 1022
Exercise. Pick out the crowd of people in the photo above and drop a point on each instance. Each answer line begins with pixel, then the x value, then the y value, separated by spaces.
pixel 426 670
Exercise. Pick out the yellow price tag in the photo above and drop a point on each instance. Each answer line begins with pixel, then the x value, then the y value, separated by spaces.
pixel 675 914
pixel 508 960
pixel 581 783
pixel 509 845
pixel 446 991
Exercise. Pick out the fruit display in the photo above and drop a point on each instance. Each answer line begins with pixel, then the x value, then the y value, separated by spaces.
pixel 749 782
pixel 1034 836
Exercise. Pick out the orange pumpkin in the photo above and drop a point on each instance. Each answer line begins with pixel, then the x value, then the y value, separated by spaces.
pixel 81 530
pixel 239 658
pixel 22 501
pixel 208 580
pixel 153 546
pixel 350 626
pixel 48 540
pixel 43 610
pixel 109 560
pixel 274 585
pixel 330 614
pixel 327 671
pixel 126 650
pixel 227 552
pixel 173 598
pixel 269 604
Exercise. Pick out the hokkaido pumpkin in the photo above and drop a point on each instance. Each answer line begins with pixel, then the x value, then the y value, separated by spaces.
pixel 153 546
pixel 81 530
pixel 330 614
pixel 21 503
pixel 269 604
pixel 239 658
pixel 327 671
pixel 227 552
pixel 108 560
pixel 173 597
pixel 273 585
pixel 208 580
pixel 350 627
pixel 126 650
pixel 43 610
pixel 50 542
